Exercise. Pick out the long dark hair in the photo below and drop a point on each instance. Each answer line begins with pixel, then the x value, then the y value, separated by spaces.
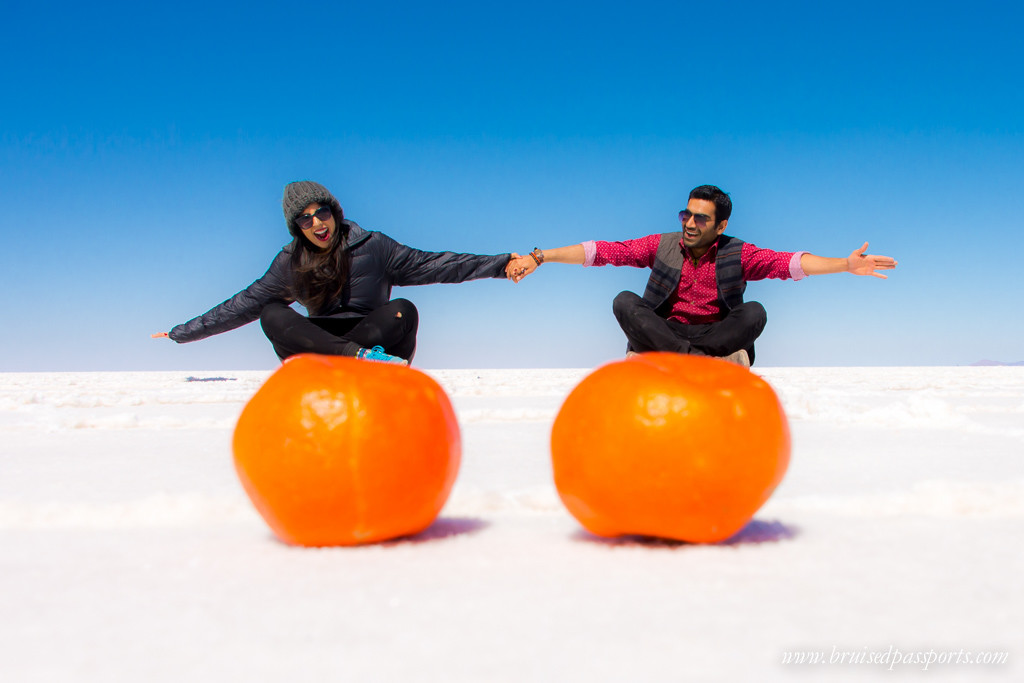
pixel 319 276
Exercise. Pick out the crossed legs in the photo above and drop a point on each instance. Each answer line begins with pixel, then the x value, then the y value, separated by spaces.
pixel 392 326
pixel 648 331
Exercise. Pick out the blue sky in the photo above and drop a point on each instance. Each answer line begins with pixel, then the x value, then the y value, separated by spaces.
pixel 144 150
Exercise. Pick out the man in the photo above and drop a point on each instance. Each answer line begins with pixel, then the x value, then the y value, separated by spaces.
pixel 694 298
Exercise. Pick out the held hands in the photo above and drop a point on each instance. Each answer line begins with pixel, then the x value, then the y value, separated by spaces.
pixel 860 264
pixel 520 266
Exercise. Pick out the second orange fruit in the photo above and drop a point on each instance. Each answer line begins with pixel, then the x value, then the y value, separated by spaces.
pixel 669 445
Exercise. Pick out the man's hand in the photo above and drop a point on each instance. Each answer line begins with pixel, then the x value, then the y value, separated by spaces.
pixel 860 264
pixel 519 267
pixel 857 263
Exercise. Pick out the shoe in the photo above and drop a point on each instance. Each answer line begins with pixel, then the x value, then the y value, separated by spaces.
pixel 740 358
pixel 377 354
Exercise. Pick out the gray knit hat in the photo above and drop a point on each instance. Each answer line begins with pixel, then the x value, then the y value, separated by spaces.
pixel 299 195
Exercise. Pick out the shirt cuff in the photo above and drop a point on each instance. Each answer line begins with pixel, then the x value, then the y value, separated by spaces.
pixel 796 271
pixel 589 252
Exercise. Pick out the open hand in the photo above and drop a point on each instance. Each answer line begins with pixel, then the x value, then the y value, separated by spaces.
pixel 158 335
pixel 860 263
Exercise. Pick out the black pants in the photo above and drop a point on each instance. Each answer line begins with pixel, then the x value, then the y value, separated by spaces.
pixel 648 331
pixel 392 326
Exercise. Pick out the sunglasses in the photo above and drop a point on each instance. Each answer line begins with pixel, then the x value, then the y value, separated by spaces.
pixel 701 219
pixel 305 221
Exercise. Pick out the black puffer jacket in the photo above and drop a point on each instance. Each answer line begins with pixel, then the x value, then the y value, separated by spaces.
pixel 378 264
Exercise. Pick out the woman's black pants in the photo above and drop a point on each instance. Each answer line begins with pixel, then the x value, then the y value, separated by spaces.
pixel 392 326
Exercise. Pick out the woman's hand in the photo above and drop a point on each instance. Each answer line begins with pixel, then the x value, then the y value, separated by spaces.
pixel 519 267
pixel 158 335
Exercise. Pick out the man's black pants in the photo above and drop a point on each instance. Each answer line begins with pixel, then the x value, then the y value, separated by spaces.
pixel 648 331
pixel 392 326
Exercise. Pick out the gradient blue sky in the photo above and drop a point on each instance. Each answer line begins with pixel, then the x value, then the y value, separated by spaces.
pixel 144 149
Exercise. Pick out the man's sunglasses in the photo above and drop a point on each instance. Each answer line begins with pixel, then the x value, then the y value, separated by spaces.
pixel 701 219
pixel 305 221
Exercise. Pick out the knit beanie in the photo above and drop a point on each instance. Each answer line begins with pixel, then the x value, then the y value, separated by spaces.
pixel 299 195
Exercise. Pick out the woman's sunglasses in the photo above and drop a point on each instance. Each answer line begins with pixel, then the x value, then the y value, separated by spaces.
pixel 305 221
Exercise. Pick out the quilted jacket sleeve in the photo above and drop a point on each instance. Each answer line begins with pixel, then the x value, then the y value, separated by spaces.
pixel 408 266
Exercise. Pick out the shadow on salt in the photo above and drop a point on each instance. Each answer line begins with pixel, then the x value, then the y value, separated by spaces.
pixel 442 528
pixel 755 532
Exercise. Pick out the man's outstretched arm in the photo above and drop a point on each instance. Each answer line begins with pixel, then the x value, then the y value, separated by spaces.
pixel 518 268
pixel 857 263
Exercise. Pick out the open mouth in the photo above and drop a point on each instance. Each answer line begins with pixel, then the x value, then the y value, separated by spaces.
pixel 692 234
pixel 322 234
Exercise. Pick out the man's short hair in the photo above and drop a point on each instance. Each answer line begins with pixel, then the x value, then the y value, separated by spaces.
pixel 711 193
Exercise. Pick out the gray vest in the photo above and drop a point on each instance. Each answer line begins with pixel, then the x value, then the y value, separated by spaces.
pixel 668 267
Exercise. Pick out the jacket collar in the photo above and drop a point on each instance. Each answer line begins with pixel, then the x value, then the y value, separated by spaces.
pixel 356 235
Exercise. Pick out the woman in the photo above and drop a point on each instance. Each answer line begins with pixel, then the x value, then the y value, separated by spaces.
pixel 343 275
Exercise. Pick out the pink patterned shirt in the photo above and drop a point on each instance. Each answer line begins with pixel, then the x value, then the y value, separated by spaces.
pixel 696 299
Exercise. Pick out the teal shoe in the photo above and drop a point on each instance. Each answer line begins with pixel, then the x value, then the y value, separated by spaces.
pixel 377 354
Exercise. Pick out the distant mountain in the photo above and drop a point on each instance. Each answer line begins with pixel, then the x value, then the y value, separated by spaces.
pixel 996 362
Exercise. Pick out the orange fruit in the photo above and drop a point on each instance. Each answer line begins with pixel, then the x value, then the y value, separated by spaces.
pixel 669 445
pixel 338 451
